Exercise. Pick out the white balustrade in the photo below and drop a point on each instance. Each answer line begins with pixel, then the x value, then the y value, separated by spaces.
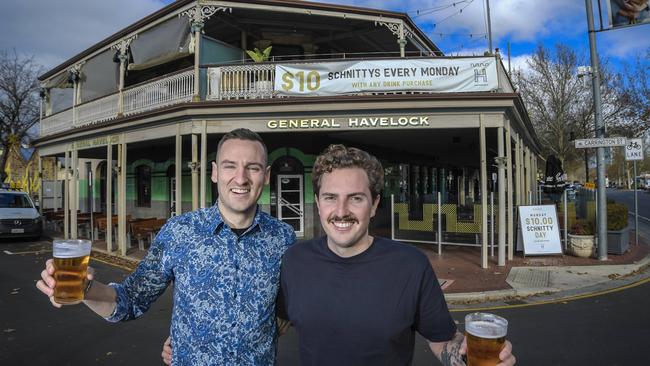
pixel 171 90
pixel 248 81
pixel 99 110
pixel 174 89
pixel 56 123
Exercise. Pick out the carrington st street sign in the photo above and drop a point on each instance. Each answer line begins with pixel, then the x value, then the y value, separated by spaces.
pixel 600 142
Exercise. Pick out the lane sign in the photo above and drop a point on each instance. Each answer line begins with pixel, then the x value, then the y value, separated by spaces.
pixel 634 149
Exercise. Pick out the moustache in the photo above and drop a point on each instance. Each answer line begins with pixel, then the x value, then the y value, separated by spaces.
pixel 346 218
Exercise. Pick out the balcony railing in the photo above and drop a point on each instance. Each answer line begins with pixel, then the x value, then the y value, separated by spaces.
pixel 162 92
pixel 248 81
pixel 170 90
pixel 99 110
pixel 57 123
pixel 224 82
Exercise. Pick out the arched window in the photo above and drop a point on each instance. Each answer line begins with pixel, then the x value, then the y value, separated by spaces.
pixel 143 174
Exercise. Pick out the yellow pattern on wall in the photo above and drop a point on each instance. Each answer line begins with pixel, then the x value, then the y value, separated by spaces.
pixel 449 212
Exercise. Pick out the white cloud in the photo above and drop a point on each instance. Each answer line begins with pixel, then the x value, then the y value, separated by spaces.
pixel 625 42
pixel 476 51
pixel 54 31
pixel 519 63
pixel 519 20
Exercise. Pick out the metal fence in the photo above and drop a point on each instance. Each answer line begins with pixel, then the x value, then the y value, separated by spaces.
pixel 425 220
pixel 428 221
pixel 572 205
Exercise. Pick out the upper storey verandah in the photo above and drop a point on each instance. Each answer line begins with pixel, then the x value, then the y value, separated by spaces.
pixel 165 58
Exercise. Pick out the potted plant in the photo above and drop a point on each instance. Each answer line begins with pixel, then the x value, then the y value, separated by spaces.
pixel 262 82
pixel 260 56
pixel 582 239
pixel 618 232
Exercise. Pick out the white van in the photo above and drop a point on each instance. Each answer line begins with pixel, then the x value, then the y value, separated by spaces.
pixel 18 216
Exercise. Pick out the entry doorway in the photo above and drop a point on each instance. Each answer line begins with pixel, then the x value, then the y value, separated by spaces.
pixel 287 192
pixel 171 185
pixel 101 171
pixel 290 203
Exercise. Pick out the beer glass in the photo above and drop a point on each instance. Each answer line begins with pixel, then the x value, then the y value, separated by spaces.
pixel 70 264
pixel 486 335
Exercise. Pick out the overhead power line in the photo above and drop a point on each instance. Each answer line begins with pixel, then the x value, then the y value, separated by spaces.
pixel 460 11
pixel 470 35
pixel 421 12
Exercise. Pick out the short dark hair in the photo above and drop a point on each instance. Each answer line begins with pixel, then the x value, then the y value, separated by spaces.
pixel 242 134
pixel 340 157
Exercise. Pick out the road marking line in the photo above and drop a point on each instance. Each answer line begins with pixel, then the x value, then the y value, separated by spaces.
pixel 112 264
pixel 28 252
pixel 641 217
pixel 555 301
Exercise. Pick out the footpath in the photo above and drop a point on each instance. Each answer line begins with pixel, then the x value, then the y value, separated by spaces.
pixel 536 279
pixel 522 280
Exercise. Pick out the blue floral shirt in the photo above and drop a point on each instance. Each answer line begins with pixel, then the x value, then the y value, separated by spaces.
pixel 225 287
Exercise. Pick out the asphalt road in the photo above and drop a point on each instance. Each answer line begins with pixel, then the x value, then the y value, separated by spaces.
pixel 627 198
pixel 610 329
pixel 33 332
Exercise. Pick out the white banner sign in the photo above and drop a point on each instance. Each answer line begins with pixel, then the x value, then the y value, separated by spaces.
pixel 346 77
pixel 634 149
pixel 600 142
pixel 540 230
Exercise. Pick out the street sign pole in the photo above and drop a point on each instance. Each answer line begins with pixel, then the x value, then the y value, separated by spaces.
pixel 601 200
pixel 634 152
pixel 636 210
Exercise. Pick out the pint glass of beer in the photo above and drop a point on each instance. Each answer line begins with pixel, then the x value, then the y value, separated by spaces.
pixel 70 264
pixel 486 335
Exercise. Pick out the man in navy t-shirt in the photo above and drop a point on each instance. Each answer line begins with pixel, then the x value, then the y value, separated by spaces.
pixel 355 299
pixel 358 300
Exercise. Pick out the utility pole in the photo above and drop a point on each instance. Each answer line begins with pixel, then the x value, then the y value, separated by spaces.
pixel 489 24
pixel 601 198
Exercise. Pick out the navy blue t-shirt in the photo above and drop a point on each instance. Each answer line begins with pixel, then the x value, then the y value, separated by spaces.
pixel 361 310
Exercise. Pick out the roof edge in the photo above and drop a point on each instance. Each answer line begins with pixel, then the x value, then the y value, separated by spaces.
pixel 288 3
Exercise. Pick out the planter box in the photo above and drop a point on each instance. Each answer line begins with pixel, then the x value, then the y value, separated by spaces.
pixel 582 245
pixel 618 241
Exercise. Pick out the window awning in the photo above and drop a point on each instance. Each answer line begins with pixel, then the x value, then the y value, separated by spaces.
pixel 165 42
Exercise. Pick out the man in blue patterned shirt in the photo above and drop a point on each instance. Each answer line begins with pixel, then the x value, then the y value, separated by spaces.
pixel 224 262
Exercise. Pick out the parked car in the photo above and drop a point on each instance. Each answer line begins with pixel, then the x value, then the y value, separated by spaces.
pixel 19 216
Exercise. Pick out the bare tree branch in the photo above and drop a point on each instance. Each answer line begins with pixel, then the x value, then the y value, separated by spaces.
pixel 19 101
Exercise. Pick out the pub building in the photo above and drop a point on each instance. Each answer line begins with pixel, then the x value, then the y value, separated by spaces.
pixel 134 122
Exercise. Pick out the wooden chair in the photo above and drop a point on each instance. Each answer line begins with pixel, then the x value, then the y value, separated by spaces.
pixel 146 229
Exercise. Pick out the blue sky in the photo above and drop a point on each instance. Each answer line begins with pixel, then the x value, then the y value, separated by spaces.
pixel 54 31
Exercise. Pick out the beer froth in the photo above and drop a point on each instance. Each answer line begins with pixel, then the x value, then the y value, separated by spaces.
pixel 71 248
pixel 486 329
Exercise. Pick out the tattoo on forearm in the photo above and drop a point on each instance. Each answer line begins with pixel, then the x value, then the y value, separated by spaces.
pixel 450 355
